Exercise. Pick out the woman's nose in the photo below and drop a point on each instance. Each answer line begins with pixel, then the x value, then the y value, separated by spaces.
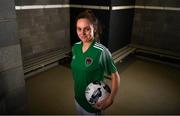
pixel 83 32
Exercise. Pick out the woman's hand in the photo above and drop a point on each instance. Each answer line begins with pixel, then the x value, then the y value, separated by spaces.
pixel 102 105
pixel 108 101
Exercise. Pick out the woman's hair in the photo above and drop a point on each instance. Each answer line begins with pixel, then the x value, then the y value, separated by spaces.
pixel 88 14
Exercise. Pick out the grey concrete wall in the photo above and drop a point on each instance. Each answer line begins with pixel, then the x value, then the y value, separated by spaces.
pixel 157 28
pixel 43 30
pixel 12 84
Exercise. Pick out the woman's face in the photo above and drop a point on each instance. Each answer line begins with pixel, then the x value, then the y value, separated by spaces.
pixel 85 30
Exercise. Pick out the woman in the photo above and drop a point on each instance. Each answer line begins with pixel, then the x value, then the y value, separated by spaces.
pixel 90 61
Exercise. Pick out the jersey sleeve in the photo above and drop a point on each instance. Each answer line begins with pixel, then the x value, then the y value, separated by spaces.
pixel 107 62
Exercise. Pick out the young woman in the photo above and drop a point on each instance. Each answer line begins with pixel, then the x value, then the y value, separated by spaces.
pixel 90 61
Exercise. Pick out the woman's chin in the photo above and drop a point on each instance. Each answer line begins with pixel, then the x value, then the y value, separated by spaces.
pixel 84 40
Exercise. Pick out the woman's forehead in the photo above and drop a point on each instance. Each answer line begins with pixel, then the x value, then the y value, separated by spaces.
pixel 83 22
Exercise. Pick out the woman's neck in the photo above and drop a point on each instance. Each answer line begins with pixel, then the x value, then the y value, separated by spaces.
pixel 86 45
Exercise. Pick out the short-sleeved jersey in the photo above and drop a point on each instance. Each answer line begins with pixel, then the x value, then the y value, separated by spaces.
pixel 88 67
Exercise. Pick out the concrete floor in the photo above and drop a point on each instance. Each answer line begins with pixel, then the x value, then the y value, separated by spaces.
pixel 146 88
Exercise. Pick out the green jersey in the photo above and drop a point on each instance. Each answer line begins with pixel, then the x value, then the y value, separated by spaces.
pixel 88 67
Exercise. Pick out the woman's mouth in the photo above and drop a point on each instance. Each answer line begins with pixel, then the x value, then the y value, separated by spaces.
pixel 84 37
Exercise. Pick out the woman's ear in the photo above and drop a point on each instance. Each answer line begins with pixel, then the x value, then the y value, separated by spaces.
pixel 95 28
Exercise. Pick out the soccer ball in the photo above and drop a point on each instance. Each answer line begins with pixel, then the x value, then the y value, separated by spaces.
pixel 96 92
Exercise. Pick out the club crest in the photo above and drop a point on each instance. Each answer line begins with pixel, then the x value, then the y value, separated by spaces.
pixel 88 61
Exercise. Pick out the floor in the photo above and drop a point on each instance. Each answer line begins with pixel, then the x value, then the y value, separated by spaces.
pixel 146 88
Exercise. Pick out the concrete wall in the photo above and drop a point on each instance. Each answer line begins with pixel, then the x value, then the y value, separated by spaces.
pixel 43 30
pixel 157 28
pixel 12 84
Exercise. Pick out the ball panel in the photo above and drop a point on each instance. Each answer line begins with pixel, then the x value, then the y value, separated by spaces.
pixel 96 91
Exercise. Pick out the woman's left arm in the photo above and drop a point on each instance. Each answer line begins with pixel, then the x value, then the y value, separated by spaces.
pixel 115 83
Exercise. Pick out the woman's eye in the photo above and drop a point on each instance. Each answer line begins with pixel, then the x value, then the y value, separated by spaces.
pixel 78 29
pixel 87 29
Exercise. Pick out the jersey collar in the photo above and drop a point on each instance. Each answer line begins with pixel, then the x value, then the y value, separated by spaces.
pixel 89 46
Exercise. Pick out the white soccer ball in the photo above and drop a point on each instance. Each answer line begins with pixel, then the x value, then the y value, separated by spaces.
pixel 96 92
